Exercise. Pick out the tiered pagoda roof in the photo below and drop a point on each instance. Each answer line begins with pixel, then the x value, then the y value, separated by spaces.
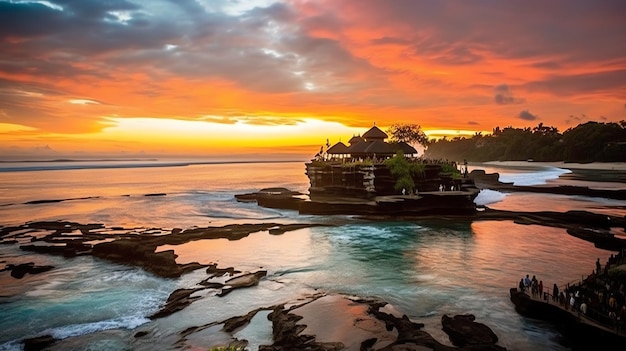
pixel 371 144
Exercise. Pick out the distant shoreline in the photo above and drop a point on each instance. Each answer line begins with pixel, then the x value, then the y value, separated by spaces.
pixel 600 166
pixel 85 160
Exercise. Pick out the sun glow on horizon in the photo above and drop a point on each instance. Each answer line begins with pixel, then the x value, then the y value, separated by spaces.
pixel 452 133
pixel 240 133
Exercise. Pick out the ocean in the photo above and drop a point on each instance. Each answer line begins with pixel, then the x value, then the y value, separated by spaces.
pixel 423 268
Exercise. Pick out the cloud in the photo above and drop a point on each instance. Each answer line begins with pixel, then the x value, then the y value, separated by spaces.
pixel 472 123
pixel 504 96
pixel 549 65
pixel 576 119
pixel 219 119
pixel 270 121
pixel 390 41
pixel 232 61
pixel 527 116
pixel 611 82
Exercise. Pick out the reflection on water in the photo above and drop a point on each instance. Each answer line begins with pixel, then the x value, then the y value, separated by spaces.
pixel 291 250
pixel 533 202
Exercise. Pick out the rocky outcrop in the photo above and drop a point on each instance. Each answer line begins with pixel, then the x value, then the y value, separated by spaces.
pixel 177 300
pixel 182 298
pixel 492 181
pixel 242 281
pixel 38 343
pixel 20 270
pixel 141 254
pixel 287 334
pixel 133 247
pixel 463 330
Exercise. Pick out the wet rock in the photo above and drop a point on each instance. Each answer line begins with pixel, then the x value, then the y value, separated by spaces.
pixel 141 334
pixel 242 281
pixel 135 252
pixel 367 344
pixel 287 334
pixel 182 298
pixel 213 271
pixel 463 330
pixel 234 323
pixel 177 300
pixel 20 270
pixel 38 343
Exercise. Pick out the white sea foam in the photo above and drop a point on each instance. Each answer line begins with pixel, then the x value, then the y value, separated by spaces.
pixel 126 322
pixel 486 197
pixel 535 177
pixel 67 331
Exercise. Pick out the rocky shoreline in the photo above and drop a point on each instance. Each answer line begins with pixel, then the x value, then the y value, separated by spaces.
pixel 384 331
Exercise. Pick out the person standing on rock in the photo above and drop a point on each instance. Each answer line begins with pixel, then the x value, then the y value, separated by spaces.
pixel 527 282
pixel 555 292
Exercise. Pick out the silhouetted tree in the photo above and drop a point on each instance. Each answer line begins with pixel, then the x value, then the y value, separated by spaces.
pixel 408 133
pixel 588 142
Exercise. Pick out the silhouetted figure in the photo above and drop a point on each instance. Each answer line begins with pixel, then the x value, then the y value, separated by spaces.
pixel 555 292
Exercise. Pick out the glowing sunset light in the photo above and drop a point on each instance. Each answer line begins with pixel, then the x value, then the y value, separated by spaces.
pixel 266 77
pixel 249 134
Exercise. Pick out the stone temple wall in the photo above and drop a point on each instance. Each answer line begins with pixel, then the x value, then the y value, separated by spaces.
pixel 365 180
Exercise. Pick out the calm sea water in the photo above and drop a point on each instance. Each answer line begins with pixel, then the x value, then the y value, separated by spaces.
pixel 423 268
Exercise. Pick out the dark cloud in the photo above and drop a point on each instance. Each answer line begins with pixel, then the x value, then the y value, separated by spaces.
pixel 572 119
pixel 575 31
pixel 390 40
pixel 527 116
pixel 610 82
pixel 472 123
pixel 297 49
pixel 549 65
pixel 459 55
pixel 504 96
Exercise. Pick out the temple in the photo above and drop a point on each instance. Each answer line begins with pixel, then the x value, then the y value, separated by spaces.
pixel 364 169
pixel 370 146
pixel 374 177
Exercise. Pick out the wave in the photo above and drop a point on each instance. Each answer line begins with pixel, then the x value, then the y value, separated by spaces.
pixel 72 330
pixel 127 322
pixel 535 177
pixel 487 196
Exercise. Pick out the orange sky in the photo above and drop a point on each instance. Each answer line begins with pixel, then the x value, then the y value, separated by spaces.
pixel 275 79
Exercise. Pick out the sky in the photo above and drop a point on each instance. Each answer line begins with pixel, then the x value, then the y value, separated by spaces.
pixel 271 78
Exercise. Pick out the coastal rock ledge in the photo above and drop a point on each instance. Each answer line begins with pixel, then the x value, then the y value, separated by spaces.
pixel 463 330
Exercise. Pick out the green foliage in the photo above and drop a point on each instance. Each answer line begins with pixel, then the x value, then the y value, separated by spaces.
pixel 588 142
pixel 319 163
pixel 359 163
pixel 408 133
pixel 400 168
pixel 417 169
pixel 450 170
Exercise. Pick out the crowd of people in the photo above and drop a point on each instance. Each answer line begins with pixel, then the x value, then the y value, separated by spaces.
pixel 601 296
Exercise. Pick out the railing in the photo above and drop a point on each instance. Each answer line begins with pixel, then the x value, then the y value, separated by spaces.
pixel 591 316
